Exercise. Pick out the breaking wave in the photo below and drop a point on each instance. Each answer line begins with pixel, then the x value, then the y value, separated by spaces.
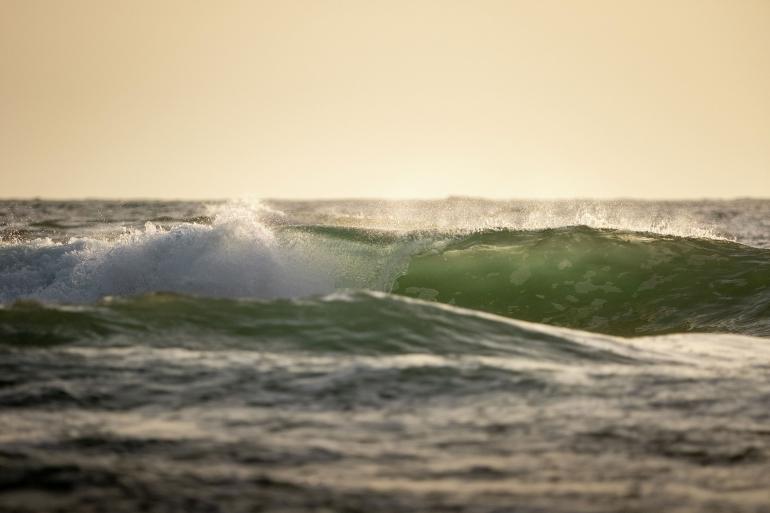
pixel 605 280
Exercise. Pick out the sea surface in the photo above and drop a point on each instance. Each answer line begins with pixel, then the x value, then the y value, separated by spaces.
pixel 456 355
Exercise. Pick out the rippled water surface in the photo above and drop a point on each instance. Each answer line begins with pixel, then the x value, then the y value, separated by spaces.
pixel 455 355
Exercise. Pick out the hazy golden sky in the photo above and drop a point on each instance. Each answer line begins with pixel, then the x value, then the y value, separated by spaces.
pixel 211 99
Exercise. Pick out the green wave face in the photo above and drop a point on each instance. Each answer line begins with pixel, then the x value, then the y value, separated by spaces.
pixel 599 280
pixel 359 323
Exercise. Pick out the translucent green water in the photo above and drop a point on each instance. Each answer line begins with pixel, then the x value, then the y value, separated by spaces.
pixel 607 281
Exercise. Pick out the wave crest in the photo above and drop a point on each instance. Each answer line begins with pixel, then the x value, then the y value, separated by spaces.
pixel 235 256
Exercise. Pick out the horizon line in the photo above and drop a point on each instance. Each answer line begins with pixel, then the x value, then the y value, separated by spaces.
pixel 380 198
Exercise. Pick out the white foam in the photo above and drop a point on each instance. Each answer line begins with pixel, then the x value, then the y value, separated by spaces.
pixel 236 256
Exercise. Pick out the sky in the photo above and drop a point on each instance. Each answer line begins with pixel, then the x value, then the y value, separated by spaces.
pixel 395 99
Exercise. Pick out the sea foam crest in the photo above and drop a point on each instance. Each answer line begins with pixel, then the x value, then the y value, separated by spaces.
pixel 236 256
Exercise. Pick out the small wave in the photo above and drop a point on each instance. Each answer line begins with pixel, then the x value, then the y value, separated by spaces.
pixel 352 323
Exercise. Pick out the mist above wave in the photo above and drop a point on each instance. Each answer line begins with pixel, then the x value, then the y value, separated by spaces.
pixel 466 215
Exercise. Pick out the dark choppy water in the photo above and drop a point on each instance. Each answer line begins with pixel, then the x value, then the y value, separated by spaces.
pixel 457 355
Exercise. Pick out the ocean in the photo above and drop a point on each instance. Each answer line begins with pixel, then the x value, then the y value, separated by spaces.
pixel 456 355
